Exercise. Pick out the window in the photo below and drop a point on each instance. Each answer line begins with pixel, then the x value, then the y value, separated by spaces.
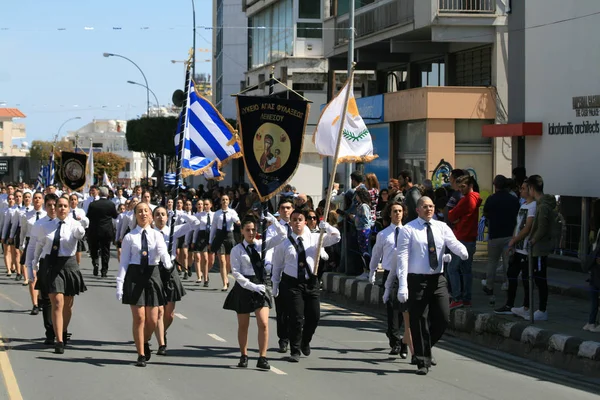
pixel 473 67
pixel 97 145
pixel 1 124
pixel 272 34
pixel 310 9
pixel 433 73
pixel 127 167
pixel 309 30
pixel 409 144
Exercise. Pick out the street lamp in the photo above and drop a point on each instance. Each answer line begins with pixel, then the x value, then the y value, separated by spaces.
pixel 144 86
pixel 147 94
pixel 63 124
pixel 194 41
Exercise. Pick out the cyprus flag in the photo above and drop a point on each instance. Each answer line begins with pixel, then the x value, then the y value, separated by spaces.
pixel 356 145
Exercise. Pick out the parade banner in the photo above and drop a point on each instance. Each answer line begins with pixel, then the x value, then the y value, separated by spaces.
pixel 271 138
pixel 72 171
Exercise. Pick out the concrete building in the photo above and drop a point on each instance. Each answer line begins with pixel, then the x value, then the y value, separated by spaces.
pixel 108 135
pixel 554 118
pixel 11 130
pixel 440 69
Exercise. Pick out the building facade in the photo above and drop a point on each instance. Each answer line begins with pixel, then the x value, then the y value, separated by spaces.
pixel 554 120
pixel 108 135
pixel 440 66
pixel 11 130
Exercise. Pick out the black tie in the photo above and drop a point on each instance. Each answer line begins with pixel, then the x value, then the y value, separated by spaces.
pixel 432 251
pixel 144 258
pixel 224 221
pixel 256 264
pixel 289 229
pixel 302 266
pixel 56 241
pixel 396 233
pixel 37 216
pixel 74 215
pixel 208 221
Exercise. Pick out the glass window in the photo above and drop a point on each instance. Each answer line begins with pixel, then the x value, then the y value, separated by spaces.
pixel 410 143
pixel 433 73
pixel 310 9
pixel 468 132
pixel 309 30
pixel 289 37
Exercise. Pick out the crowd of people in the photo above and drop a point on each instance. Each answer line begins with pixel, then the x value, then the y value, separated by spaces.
pixel 423 238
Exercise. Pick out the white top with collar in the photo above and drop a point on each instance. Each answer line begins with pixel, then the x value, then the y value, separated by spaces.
pixel 131 250
pixel 16 220
pixel 384 249
pixel 33 234
pixel 27 221
pixel 231 217
pixel 178 231
pixel 71 231
pixel 285 258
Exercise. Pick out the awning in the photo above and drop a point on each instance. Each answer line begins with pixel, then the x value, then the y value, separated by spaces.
pixel 511 130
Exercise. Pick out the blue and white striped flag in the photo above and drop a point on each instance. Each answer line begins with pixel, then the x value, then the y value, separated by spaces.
pixel 39 185
pixel 170 180
pixel 208 138
pixel 51 170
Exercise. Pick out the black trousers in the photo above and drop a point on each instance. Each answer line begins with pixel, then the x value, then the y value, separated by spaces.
pixel 44 302
pixel 100 245
pixel 519 263
pixel 282 318
pixel 394 315
pixel 429 313
pixel 304 308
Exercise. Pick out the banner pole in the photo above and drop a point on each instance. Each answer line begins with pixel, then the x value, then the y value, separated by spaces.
pixel 264 206
pixel 335 165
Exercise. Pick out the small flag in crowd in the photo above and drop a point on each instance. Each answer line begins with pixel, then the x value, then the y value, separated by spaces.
pixel 208 138
pixel 39 185
pixel 89 180
pixel 170 180
pixel 106 181
pixel 51 170
pixel 356 145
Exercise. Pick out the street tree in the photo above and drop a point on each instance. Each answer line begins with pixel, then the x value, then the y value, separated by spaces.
pixel 110 163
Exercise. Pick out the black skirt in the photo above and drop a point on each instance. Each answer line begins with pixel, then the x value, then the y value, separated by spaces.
pixel 81 246
pixel 223 242
pixel 201 242
pixel 143 286
pixel 18 237
pixel 64 276
pixel 244 301
pixel 181 242
pixel 24 254
pixel 41 282
pixel 172 286
pixel 8 231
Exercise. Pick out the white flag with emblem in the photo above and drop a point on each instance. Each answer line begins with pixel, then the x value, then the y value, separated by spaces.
pixel 356 145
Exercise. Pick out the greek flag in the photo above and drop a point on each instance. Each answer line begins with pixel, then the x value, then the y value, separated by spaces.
pixel 51 170
pixel 39 185
pixel 170 180
pixel 208 138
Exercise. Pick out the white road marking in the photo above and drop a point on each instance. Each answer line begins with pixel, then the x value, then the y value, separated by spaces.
pixel 217 337
pixel 363 341
pixel 180 316
pixel 277 371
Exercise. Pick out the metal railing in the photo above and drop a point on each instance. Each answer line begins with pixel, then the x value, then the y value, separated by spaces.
pixel 467 6
pixel 375 17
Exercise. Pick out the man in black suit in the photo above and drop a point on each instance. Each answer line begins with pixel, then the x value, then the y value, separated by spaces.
pixel 101 231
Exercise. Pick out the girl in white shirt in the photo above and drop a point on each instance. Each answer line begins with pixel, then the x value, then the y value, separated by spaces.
pixel 138 283
pixel 221 239
pixel 8 252
pixel 203 258
pixel 77 214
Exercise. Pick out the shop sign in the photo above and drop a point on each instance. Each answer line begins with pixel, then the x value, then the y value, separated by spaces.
pixel 3 167
pixel 584 106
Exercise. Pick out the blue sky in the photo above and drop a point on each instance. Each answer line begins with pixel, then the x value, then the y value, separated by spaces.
pixel 46 72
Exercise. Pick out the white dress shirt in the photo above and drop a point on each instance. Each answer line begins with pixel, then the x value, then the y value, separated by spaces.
pixel 71 231
pixel 37 227
pixel 131 250
pixel 88 201
pixel 231 217
pixel 203 226
pixel 79 213
pixel 178 231
pixel 413 252
pixel 8 219
pixel 270 233
pixel 285 257
pixel 384 249
pixel 27 220
pixel 16 221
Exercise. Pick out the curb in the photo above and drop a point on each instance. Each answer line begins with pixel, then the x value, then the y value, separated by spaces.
pixel 486 329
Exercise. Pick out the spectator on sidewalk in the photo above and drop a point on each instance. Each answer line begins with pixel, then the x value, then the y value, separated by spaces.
pixel 455 194
pixel 411 193
pixel 518 262
pixel 541 239
pixel 500 210
pixel 363 223
pixel 464 218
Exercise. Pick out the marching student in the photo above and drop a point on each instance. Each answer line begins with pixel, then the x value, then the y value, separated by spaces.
pixel 293 275
pixel 122 210
pixel 28 219
pixel 138 282
pixel 187 242
pixel 420 271
pixel 250 293
pixel 8 247
pixel 181 256
pixel 385 251
pixel 58 240
pixel 77 214
pixel 202 257
pixel 172 285
pixel 16 235
pixel 221 239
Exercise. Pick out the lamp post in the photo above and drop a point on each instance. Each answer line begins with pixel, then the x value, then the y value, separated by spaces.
pixel 63 124
pixel 194 41
pixel 147 94
pixel 144 86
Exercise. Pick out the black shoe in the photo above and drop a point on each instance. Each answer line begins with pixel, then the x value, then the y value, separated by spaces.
pixel 95 271
pixel 263 363
pixel 243 362
pixel 141 361
pixel 189 273
pixel 35 310
pixel 165 338
pixel 49 341
pixel 104 274
pixel 404 351
pixel 504 310
pixel 413 360
pixel 433 362
pixel 185 276
pixel 294 358
pixel 487 291
pixel 66 337
pixel 283 346
pixel 422 371
pixel 305 348
pixel 205 284
pixel 395 351
pixel 147 351
pixel 59 348
pixel 162 351
pixel 18 277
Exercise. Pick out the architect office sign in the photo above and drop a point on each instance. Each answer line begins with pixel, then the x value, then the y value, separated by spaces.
pixel 3 167
pixel 584 106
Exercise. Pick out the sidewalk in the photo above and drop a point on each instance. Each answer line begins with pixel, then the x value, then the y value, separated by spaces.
pixel 560 341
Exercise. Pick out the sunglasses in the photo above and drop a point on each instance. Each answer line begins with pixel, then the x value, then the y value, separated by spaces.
pixel 312 217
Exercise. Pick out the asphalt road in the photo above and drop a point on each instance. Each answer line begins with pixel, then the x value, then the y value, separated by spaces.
pixel 349 358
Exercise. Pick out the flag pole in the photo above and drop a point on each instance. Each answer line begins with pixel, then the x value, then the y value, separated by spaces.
pixel 264 207
pixel 350 84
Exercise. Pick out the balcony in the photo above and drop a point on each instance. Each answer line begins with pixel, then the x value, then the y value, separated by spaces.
pixel 477 7
pixel 373 18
